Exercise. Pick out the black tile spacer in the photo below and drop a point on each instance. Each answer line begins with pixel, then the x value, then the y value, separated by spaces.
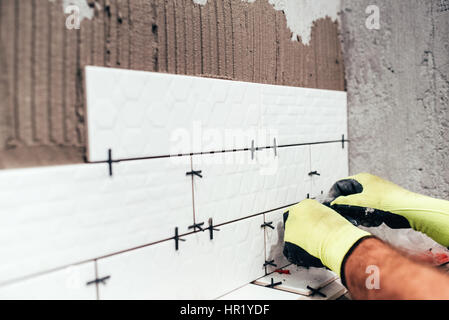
pixel 273 284
pixel 267 224
pixel 177 239
pixel 197 225
pixel 270 263
pixel 316 291
pixel 253 149
pixel 212 229
pixel 343 141
pixel 314 173
pixel 194 173
pixel 275 146
pixel 100 280
pixel 110 162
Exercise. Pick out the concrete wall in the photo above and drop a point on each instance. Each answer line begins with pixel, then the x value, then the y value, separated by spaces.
pixel 42 104
pixel 398 85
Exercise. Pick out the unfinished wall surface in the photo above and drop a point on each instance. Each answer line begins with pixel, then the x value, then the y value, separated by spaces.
pixel 42 109
pixel 398 91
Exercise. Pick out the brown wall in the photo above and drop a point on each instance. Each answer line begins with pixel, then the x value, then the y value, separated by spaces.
pixel 42 104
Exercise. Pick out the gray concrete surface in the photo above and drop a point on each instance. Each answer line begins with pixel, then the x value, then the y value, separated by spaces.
pixel 398 87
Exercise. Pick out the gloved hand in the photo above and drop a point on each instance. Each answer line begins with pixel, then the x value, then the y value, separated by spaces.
pixel 313 228
pixel 371 200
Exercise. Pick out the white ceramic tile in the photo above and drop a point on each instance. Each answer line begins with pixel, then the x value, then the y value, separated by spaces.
pixel 331 162
pixel 65 284
pixel 299 278
pixel 200 269
pixel 255 292
pixel 235 186
pixel 144 114
pixel 299 115
pixel 274 240
pixel 57 216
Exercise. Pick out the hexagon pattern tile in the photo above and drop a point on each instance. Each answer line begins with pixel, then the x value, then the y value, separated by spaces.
pixel 200 269
pixel 56 216
pixel 331 162
pixel 235 186
pixel 145 114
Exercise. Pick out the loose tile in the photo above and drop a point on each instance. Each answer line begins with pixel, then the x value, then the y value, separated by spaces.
pixel 299 279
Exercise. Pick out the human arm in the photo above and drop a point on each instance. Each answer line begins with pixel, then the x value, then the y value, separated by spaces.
pixel 376 271
pixel 315 229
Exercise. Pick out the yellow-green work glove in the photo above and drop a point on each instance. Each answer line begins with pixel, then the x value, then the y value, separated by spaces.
pixel 371 201
pixel 313 228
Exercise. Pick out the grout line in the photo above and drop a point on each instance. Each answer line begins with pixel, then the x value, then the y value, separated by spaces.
pixel 193 192
pixel 217 152
pixel 310 162
pixel 265 242
pixel 96 277
pixel 219 297
pixel 254 215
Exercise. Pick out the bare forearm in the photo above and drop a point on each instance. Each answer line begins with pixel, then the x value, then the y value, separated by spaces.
pixel 374 270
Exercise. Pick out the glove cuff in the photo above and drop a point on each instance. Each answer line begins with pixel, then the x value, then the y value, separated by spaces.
pixel 340 246
pixel 348 254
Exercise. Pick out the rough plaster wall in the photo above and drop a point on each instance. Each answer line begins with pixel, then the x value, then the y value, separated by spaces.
pixel 42 104
pixel 398 88
pixel 301 14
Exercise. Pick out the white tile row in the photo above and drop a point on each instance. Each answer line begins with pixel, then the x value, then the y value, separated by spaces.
pixel 188 274
pixel 58 216
pixel 201 269
pixel 145 114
